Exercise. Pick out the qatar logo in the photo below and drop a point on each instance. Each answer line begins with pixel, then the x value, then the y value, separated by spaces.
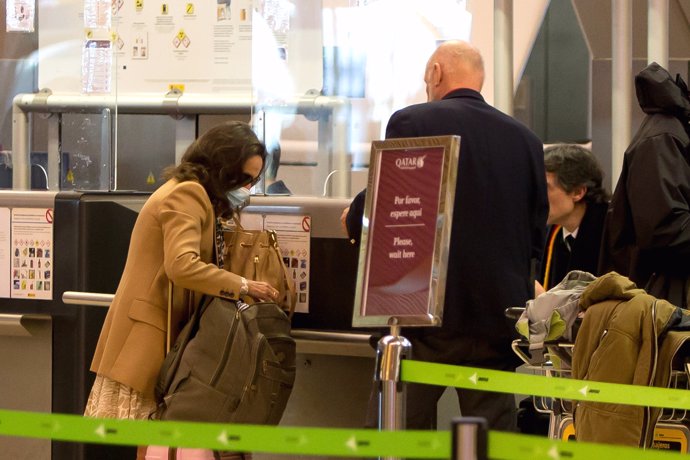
pixel 410 162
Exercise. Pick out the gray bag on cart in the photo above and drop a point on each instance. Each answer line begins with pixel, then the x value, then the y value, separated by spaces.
pixel 231 363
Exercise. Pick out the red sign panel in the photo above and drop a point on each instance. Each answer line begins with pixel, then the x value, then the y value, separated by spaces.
pixel 402 232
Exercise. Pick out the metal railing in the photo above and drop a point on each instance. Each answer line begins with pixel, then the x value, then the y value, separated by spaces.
pixel 359 339
pixel 331 113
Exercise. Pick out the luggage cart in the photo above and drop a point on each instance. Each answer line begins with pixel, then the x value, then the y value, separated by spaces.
pixel 671 432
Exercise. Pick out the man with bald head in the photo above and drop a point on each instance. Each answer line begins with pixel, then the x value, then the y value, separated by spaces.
pixel 497 236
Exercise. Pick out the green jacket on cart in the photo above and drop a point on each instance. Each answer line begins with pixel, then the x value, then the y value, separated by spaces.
pixel 619 342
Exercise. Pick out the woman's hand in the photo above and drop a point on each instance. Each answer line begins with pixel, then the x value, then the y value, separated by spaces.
pixel 261 290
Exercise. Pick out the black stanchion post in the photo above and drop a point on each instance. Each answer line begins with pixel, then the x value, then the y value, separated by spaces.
pixel 470 438
pixel 390 350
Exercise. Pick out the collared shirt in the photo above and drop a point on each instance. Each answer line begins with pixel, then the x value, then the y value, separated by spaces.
pixel 569 238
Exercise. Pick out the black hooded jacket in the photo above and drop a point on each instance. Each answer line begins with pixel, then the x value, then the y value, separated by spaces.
pixel 647 227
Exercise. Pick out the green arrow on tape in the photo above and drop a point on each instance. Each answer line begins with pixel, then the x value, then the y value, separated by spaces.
pixel 301 441
pixel 244 438
pixel 511 446
pixel 553 387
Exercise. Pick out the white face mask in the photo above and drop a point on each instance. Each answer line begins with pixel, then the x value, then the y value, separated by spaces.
pixel 239 198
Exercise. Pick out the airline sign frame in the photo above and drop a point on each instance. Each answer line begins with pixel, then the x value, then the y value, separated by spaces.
pixel 406 227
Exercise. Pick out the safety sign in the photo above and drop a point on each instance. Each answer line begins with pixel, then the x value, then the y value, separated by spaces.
pixel 26 253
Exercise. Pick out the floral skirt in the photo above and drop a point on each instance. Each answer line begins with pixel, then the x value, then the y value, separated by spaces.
pixel 111 399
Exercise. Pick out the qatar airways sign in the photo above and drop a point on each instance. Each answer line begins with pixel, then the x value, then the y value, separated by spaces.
pixel 406 230
pixel 410 162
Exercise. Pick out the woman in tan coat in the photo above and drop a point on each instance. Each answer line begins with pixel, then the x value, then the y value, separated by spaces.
pixel 173 240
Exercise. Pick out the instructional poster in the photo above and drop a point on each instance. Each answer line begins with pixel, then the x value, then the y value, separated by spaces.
pixel 19 15
pixel 5 252
pixel 294 234
pixel 96 74
pixel 32 253
pixel 194 46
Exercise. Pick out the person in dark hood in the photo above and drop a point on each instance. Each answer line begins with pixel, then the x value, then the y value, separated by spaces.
pixel 647 227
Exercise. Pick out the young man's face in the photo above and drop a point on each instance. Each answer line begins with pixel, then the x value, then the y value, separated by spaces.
pixel 561 203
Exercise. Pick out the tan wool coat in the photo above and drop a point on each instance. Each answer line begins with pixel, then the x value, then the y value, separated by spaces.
pixel 173 239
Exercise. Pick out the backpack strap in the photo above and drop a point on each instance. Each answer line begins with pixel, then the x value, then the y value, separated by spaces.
pixel 172 360
pixel 191 309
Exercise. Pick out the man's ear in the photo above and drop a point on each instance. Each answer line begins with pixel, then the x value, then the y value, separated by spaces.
pixel 579 193
pixel 436 74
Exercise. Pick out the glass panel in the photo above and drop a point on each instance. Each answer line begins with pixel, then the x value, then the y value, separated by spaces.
pixel 145 146
pixel 350 64
pixel 181 68
pixel 18 64
pixel 86 151
pixel 318 79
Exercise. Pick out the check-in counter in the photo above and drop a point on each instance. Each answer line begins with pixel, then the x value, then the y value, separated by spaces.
pixel 90 239
pixel 49 243
pixel 26 322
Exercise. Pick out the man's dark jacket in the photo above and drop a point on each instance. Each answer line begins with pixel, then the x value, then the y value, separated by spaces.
pixel 647 228
pixel 499 221
pixel 584 255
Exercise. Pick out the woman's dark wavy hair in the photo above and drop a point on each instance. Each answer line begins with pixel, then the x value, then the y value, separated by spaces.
pixel 216 159
pixel 574 166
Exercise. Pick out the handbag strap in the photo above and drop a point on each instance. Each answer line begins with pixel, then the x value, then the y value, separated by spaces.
pixel 238 225
pixel 292 300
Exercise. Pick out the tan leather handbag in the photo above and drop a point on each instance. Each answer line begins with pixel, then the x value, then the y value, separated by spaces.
pixel 255 255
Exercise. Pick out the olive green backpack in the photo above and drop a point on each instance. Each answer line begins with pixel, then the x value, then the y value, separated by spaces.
pixel 231 363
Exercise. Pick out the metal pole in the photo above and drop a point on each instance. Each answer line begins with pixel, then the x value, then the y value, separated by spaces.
pixel 341 150
pixel 333 129
pixel 390 351
pixel 108 160
pixel 185 133
pixel 621 84
pixel 21 142
pixel 657 32
pixel 54 151
pixel 470 436
pixel 503 56
pixel 325 153
pixel 259 126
